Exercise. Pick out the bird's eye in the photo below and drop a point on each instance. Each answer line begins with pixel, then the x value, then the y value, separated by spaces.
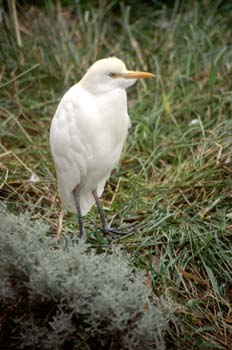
pixel 112 75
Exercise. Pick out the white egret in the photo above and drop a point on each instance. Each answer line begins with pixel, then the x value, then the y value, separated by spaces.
pixel 87 135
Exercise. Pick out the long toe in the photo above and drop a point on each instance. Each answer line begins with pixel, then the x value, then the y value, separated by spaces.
pixel 113 232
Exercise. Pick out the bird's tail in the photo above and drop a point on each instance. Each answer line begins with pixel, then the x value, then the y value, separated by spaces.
pixel 86 201
pixel 86 198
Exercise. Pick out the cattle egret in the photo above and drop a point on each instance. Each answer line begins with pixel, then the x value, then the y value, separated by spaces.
pixel 87 135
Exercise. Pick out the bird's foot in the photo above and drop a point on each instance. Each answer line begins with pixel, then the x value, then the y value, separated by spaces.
pixel 114 232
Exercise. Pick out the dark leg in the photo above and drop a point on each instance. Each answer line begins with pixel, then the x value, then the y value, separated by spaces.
pixel 101 212
pixel 105 227
pixel 76 195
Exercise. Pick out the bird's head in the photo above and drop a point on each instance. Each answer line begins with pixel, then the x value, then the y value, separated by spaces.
pixel 110 73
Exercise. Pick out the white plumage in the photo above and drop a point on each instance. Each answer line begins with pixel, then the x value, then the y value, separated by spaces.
pixel 89 129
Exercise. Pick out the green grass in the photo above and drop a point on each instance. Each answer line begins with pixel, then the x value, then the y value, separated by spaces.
pixel 174 181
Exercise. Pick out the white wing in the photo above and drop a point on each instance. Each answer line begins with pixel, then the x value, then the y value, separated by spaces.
pixel 69 146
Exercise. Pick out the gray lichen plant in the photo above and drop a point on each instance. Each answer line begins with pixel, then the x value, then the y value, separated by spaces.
pixel 69 296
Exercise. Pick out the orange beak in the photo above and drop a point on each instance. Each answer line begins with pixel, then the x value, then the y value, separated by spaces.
pixel 135 75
